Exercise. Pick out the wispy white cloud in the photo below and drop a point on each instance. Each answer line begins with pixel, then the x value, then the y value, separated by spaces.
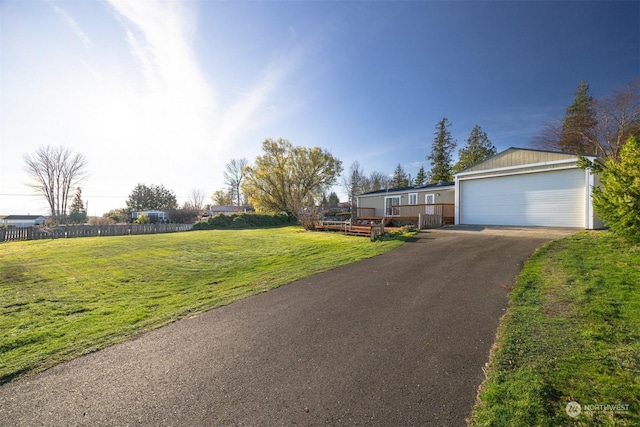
pixel 160 35
pixel 262 101
pixel 74 26
pixel 177 101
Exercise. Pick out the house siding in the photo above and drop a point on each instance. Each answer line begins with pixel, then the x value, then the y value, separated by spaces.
pixel 443 194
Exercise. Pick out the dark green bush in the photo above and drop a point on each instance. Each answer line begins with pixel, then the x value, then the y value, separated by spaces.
pixel 239 222
pixel 243 220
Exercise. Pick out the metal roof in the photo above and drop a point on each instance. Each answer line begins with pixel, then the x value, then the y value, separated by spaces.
pixel 414 188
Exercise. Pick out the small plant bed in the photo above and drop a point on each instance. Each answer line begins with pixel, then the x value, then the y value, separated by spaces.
pixel 63 298
pixel 568 348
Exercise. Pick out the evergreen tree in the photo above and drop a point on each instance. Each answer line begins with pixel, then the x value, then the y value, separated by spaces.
pixel 152 197
pixel 440 157
pixel 618 201
pixel 78 212
pixel 400 178
pixel 421 178
pixel 477 149
pixel 333 200
pixel 578 133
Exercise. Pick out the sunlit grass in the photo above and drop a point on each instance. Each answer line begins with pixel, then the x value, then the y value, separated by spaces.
pixel 66 297
pixel 572 333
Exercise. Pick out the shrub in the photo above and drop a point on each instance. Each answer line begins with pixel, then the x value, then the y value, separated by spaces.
pixel 239 222
pixel 219 221
pixel 143 219
pixel 242 220
pixel 618 201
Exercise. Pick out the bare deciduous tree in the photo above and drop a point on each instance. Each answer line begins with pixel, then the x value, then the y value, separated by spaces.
pixel 196 199
pixel 53 172
pixel 355 182
pixel 378 181
pixel 233 175
pixel 617 119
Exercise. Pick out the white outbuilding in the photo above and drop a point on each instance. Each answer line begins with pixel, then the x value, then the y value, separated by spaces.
pixel 525 187
pixel 22 220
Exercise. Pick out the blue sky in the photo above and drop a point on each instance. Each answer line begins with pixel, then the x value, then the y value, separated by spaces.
pixel 167 93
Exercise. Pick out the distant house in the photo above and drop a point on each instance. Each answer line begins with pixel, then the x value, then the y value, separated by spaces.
pixel 227 210
pixel 153 215
pixel 22 220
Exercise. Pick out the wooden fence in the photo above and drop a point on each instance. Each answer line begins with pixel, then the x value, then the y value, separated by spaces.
pixel 70 231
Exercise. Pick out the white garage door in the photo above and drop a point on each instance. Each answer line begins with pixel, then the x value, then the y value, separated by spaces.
pixel 551 199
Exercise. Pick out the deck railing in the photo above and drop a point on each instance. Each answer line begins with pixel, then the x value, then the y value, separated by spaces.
pixel 442 209
pixel 427 215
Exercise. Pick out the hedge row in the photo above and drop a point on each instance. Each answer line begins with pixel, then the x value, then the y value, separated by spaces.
pixel 243 220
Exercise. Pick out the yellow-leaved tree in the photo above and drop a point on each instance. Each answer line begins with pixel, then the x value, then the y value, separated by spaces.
pixel 290 179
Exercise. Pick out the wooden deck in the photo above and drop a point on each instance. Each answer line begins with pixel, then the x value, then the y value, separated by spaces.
pixel 362 225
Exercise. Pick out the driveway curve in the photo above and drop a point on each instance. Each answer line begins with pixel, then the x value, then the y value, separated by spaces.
pixel 399 339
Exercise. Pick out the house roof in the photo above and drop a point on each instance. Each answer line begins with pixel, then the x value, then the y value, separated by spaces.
pixel 153 211
pixel 407 189
pixel 22 217
pixel 216 208
pixel 515 156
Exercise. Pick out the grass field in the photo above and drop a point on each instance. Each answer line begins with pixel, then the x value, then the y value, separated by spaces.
pixel 571 334
pixel 63 298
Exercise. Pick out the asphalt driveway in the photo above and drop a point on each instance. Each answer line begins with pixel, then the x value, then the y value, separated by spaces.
pixel 396 340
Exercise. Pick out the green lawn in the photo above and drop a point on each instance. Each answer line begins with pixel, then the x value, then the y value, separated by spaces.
pixel 63 298
pixel 571 334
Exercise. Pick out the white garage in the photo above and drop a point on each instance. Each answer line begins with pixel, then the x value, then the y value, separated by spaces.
pixel 522 187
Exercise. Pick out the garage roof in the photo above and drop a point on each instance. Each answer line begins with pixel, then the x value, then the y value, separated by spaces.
pixel 519 160
pixel 519 156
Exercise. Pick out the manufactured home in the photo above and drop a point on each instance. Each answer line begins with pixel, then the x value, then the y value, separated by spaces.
pixel 22 220
pixel 425 205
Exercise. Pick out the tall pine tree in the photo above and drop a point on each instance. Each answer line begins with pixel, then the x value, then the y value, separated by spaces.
pixel 77 210
pixel 477 149
pixel 440 157
pixel 578 134
pixel 400 178
pixel 421 177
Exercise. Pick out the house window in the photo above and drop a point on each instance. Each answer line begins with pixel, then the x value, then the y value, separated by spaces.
pixel 413 198
pixel 391 204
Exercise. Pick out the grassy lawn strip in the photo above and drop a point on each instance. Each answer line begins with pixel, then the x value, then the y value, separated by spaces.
pixel 572 333
pixel 63 298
